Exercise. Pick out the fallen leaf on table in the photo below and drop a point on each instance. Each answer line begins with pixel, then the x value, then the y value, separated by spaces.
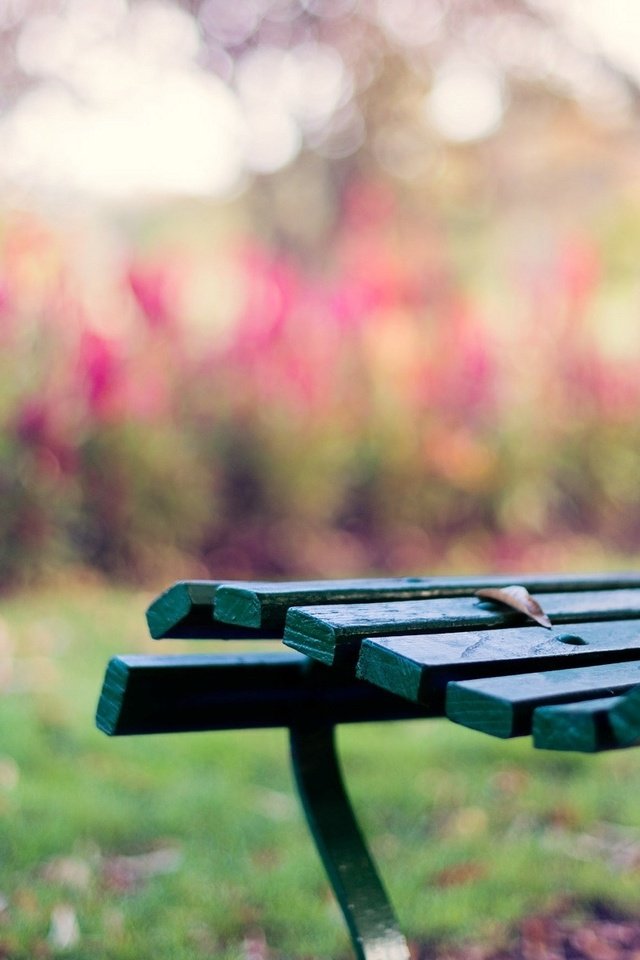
pixel 518 598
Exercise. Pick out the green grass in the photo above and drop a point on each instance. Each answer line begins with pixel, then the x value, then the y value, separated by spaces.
pixel 185 846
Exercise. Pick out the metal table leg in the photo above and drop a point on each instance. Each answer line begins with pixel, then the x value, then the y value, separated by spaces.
pixel 352 873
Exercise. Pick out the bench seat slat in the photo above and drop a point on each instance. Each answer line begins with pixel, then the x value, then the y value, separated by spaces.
pixel 264 604
pixel 170 694
pixel 624 718
pixel 333 634
pixel 185 611
pixel 419 667
pixel 504 706
pixel 584 727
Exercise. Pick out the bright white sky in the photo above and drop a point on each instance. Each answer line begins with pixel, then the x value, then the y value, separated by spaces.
pixel 611 25
pixel 136 116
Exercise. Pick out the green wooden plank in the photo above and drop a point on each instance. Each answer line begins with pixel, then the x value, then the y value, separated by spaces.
pixel 584 727
pixel 503 706
pixel 333 634
pixel 185 610
pixel 263 604
pixel 169 694
pixel 624 719
pixel 419 667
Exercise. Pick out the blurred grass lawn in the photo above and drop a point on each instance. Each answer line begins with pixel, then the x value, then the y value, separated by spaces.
pixel 194 845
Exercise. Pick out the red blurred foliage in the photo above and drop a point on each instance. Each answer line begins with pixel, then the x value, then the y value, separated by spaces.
pixel 101 375
pixel 353 415
pixel 154 286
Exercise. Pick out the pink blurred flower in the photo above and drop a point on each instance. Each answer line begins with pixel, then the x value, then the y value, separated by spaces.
pixel 5 297
pixel 273 286
pixel 155 290
pixel 578 269
pixel 101 374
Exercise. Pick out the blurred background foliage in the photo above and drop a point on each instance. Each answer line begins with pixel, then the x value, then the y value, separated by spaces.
pixel 318 287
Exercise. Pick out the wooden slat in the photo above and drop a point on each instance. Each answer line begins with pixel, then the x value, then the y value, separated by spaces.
pixel 503 706
pixel 584 727
pixel 185 611
pixel 333 634
pixel 419 667
pixel 147 694
pixel 624 719
pixel 263 604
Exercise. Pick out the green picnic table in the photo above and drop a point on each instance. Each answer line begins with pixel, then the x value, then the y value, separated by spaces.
pixel 386 649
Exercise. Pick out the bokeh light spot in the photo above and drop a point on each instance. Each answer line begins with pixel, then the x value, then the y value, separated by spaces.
pixel 465 103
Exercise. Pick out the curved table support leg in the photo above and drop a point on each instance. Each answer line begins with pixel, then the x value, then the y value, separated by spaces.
pixel 352 873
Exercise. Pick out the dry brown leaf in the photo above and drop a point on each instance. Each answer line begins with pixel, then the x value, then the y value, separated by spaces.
pixel 127 873
pixel 254 945
pixel 70 872
pixel 460 874
pixel 518 598
pixel 555 936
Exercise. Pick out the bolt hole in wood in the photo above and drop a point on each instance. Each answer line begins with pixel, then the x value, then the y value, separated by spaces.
pixel 571 639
